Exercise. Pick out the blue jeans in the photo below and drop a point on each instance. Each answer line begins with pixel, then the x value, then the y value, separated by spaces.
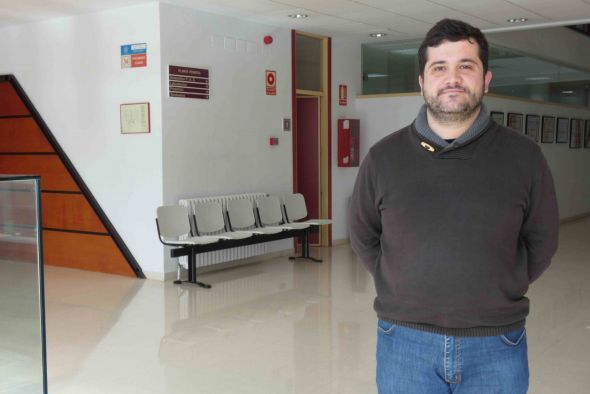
pixel 416 362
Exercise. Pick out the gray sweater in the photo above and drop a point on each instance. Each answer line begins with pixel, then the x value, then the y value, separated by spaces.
pixel 454 237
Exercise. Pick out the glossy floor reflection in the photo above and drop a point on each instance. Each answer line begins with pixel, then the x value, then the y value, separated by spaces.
pixel 277 327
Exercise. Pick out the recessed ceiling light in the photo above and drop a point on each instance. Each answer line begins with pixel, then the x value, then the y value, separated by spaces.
pixel 298 16
pixel 567 91
pixel 377 35
pixel 517 20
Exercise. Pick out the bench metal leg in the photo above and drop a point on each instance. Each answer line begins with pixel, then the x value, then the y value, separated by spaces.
pixel 192 273
pixel 305 249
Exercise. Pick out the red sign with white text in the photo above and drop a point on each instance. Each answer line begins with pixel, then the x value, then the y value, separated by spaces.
pixel 139 60
pixel 271 83
pixel 342 95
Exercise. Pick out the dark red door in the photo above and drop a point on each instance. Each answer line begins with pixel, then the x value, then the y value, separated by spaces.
pixel 308 156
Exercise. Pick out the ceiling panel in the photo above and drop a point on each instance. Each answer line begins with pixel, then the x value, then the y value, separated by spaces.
pixel 397 23
pixel 247 9
pixel 333 7
pixel 492 13
pixel 433 16
pixel 428 12
pixel 557 9
pixel 400 18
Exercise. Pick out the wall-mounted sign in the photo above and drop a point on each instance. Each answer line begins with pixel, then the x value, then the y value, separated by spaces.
pixel 188 82
pixel 342 95
pixel 134 55
pixel 135 118
pixel 286 124
pixel 271 83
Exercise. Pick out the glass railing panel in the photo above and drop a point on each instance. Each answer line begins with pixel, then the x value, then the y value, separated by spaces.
pixel 22 324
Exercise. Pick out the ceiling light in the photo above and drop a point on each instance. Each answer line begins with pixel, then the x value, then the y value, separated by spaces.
pixel 537 78
pixel 377 35
pixel 567 91
pixel 298 16
pixel 517 20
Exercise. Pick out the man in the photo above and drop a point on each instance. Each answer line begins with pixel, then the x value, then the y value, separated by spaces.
pixel 454 216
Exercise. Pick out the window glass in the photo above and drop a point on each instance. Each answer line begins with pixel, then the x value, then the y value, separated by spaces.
pixel 393 68
pixel 308 63
pixel 390 67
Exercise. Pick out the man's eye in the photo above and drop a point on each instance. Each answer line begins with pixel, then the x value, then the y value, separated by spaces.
pixel 466 66
pixel 438 68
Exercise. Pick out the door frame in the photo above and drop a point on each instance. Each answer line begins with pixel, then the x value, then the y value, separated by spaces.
pixel 325 141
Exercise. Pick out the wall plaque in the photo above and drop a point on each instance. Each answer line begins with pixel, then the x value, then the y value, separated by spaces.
pixel 188 82
pixel 135 118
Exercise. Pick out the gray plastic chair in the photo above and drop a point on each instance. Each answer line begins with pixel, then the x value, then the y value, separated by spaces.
pixel 209 221
pixel 240 214
pixel 296 209
pixel 174 229
pixel 270 214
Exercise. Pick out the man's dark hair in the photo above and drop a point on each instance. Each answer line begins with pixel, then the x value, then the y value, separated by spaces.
pixel 453 30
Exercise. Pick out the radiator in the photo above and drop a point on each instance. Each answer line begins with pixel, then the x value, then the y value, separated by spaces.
pixel 221 256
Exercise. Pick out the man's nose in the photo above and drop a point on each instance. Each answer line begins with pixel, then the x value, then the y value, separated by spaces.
pixel 453 77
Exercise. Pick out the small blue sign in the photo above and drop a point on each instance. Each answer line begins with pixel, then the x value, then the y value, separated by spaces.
pixel 133 49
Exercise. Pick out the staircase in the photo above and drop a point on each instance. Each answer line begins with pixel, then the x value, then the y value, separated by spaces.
pixel 76 231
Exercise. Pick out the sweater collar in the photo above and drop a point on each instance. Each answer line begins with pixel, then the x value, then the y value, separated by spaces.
pixel 478 126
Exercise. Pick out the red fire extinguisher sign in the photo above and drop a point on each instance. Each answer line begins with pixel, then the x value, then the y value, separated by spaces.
pixel 271 83
pixel 342 95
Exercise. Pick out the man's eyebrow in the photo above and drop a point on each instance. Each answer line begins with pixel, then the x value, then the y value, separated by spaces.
pixel 466 60
pixel 437 62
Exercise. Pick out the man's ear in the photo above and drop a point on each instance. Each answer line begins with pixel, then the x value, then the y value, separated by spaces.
pixel 487 79
pixel 421 83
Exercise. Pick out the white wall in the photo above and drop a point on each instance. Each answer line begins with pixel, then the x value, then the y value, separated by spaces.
pixel 70 69
pixel 569 166
pixel 346 69
pixel 382 116
pixel 221 145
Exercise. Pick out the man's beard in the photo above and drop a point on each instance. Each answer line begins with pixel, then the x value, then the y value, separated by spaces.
pixel 454 112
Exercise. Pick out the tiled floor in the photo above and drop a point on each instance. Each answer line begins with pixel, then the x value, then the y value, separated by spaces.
pixel 277 327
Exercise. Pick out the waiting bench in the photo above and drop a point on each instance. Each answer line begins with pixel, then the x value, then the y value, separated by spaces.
pixel 213 226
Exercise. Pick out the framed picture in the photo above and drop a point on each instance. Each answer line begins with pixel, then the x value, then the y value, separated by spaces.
pixel 515 122
pixel 533 126
pixel 548 129
pixel 563 128
pixel 576 131
pixel 587 134
pixel 498 117
pixel 135 118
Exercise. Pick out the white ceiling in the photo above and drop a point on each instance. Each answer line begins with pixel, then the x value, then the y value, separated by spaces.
pixel 400 19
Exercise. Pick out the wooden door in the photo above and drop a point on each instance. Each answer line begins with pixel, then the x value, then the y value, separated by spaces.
pixel 308 156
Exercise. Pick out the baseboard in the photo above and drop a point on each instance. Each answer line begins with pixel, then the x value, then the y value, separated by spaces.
pixel 574 218
pixel 160 276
